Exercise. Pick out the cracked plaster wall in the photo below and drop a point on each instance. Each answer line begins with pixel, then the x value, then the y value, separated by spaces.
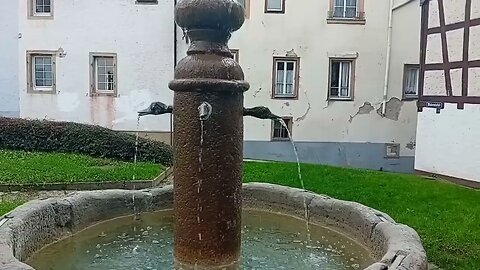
pixel 316 120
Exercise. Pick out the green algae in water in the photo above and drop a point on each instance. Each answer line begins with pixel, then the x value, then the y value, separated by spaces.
pixel 269 241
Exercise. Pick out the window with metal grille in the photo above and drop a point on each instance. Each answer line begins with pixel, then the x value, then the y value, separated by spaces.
pixel 279 131
pixel 410 81
pixel 285 77
pixel 341 73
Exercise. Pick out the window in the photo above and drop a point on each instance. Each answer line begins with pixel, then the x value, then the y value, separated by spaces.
pixel 103 74
pixel 346 11
pixel 275 6
pixel 41 8
pixel 242 2
pixel 392 150
pixel 41 72
pixel 246 5
pixel 279 131
pixel 146 2
pixel 341 79
pixel 285 77
pixel 236 55
pixel 410 81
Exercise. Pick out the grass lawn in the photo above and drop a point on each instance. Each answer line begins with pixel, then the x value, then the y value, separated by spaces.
pixel 446 216
pixel 25 167
pixel 7 206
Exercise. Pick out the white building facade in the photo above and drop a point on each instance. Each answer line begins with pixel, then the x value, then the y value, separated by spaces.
pixel 342 73
pixel 448 126
pixel 322 65
pixel 89 61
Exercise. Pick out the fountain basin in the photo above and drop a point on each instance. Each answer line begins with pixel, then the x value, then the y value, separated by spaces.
pixel 38 223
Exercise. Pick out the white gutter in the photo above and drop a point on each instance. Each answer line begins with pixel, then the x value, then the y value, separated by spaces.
pixel 389 50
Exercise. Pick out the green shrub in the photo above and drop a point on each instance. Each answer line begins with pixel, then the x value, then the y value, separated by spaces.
pixel 68 137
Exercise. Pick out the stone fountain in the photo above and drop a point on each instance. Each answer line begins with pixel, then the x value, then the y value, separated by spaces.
pixel 207 194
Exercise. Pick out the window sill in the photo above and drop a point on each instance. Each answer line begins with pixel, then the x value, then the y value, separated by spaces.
pixel 284 97
pixel 339 99
pixel 410 98
pixel 103 95
pixel 275 11
pixel 146 2
pixel 346 21
pixel 40 17
pixel 280 139
pixel 41 92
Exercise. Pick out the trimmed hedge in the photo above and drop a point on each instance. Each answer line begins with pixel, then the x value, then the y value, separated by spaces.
pixel 69 137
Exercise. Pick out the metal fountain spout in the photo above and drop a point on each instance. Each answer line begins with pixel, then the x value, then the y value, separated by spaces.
pixel 205 109
pixel 156 108
pixel 260 112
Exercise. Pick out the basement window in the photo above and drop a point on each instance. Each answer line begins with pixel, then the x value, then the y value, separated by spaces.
pixel 392 150
pixel 280 132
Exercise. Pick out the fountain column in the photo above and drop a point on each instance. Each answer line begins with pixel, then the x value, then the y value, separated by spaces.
pixel 208 138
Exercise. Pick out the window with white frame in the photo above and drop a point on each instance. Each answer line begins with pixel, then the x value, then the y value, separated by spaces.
pixel 275 6
pixel 345 9
pixel 410 81
pixel 103 74
pixel 42 8
pixel 341 79
pixel 41 72
pixel 285 77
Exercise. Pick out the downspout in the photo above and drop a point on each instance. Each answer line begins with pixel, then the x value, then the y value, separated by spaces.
pixel 175 57
pixel 174 38
pixel 389 50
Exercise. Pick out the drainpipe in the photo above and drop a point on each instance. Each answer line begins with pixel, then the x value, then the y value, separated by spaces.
pixel 175 59
pixel 389 50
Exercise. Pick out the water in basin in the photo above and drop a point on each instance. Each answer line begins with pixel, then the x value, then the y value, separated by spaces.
pixel 269 241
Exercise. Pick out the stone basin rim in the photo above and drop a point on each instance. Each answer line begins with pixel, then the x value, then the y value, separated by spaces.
pixel 37 223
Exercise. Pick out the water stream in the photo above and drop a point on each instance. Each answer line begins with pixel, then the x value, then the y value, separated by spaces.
pixel 299 171
pixel 137 135
pixel 199 180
